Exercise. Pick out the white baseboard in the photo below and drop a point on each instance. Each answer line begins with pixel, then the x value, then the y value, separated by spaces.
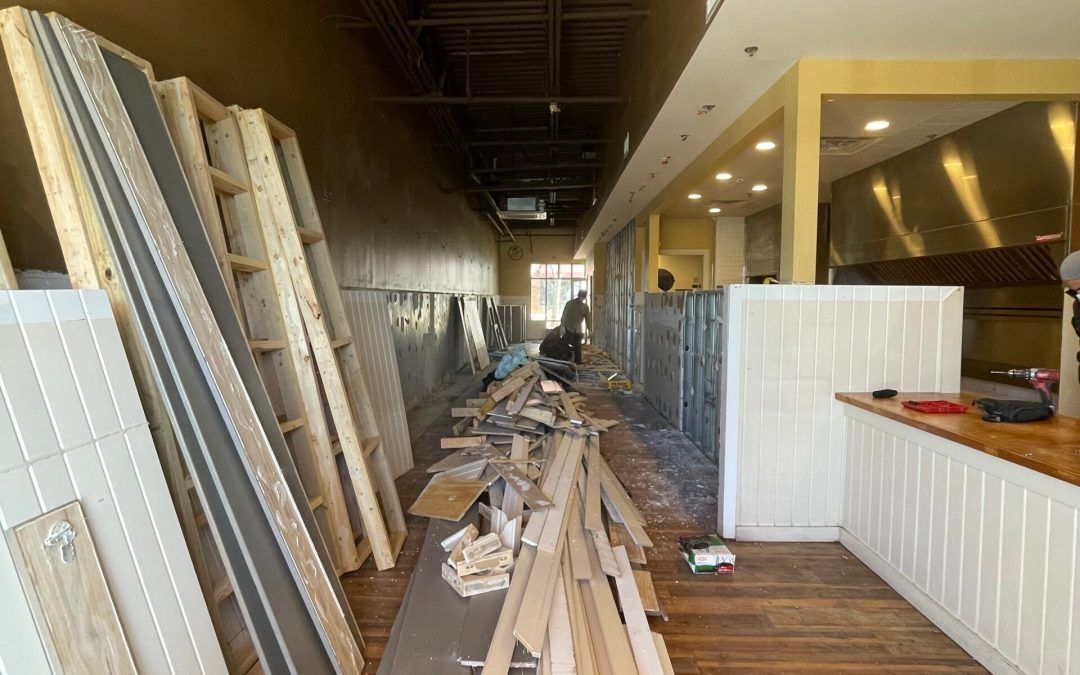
pixel 969 640
pixel 787 533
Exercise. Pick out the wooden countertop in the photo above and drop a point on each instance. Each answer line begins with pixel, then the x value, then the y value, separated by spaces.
pixel 1051 447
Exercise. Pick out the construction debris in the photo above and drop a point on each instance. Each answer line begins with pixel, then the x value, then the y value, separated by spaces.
pixel 556 529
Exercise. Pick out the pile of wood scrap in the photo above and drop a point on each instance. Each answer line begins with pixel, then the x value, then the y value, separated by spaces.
pixel 477 564
pixel 533 449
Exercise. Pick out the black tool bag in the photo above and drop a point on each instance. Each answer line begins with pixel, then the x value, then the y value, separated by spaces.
pixel 997 410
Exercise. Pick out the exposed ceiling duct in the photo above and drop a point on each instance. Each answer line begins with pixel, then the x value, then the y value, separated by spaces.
pixel 519 91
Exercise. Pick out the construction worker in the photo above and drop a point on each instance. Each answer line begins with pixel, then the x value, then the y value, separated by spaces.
pixel 1070 277
pixel 574 313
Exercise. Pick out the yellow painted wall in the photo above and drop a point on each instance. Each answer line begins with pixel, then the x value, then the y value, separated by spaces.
pixel 686 269
pixel 514 274
pixel 697 233
pixel 515 284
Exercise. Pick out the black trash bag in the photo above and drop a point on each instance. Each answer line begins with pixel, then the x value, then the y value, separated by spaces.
pixel 556 346
pixel 997 410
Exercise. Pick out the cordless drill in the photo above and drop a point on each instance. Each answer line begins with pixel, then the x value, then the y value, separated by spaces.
pixel 1040 378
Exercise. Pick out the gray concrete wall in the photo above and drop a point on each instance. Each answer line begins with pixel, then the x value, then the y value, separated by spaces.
pixel 374 167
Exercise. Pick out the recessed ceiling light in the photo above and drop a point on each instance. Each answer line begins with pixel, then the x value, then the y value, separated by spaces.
pixel 760 187
pixel 723 175
pixel 714 209
pixel 693 195
pixel 877 125
pixel 765 146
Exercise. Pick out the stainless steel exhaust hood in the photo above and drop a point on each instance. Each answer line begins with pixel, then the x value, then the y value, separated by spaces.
pixel 989 207
pixel 986 206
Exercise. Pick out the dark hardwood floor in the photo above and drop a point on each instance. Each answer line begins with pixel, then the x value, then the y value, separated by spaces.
pixel 788 607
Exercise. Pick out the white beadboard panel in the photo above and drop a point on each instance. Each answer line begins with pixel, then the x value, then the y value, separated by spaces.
pixel 993 557
pixel 84 437
pixel 789 349
pixel 369 316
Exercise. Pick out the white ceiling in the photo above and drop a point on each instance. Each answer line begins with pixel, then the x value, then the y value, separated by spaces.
pixel 911 123
pixel 721 74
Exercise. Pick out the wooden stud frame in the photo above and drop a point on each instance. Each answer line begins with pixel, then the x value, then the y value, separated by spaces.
pixel 299 258
pixel 207 138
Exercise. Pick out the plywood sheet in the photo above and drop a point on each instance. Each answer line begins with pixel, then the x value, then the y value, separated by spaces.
pixel 447 498
pixel 62 575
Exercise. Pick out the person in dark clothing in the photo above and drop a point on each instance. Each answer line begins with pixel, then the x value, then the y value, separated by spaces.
pixel 574 313
pixel 1070 277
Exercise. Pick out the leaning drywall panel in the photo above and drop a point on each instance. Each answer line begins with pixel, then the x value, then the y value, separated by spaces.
pixel 663 353
pixel 789 350
pixel 370 318
pixel 72 428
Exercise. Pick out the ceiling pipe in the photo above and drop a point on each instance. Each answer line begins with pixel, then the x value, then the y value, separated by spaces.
pixel 500 100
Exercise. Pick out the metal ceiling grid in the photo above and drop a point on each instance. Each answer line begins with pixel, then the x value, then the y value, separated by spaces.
pixel 520 90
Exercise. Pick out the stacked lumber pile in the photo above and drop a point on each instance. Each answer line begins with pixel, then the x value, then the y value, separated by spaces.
pixel 533 448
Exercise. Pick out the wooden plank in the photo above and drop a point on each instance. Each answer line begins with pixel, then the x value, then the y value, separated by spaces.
pixel 58 563
pixel 463 412
pixel 551 387
pixel 560 637
pixel 512 504
pixel 516 479
pixel 647 592
pixel 521 396
pixel 243 263
pixel 605 621
pixel 637 624
pixel 584 655
pixel 541 415
pixel 576 541
pixel 570 410
pixel 224 183
pixel 501 651
pixel 593 519
pixel 621 537
pixel 464 457
pixel 662 652
pixel 461 442
pixel 602 547
pixel 531 626
pixel 447 499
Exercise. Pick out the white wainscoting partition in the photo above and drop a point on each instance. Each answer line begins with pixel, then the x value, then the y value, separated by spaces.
pixel 986 549
pixel 369 316
pixel 72 428
pixel 788 350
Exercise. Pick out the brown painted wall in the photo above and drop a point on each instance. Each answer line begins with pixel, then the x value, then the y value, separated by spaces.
pixel 656 52
pixel 373 166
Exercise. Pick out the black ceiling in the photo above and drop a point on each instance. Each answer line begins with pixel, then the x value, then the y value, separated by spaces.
pixel 520 91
